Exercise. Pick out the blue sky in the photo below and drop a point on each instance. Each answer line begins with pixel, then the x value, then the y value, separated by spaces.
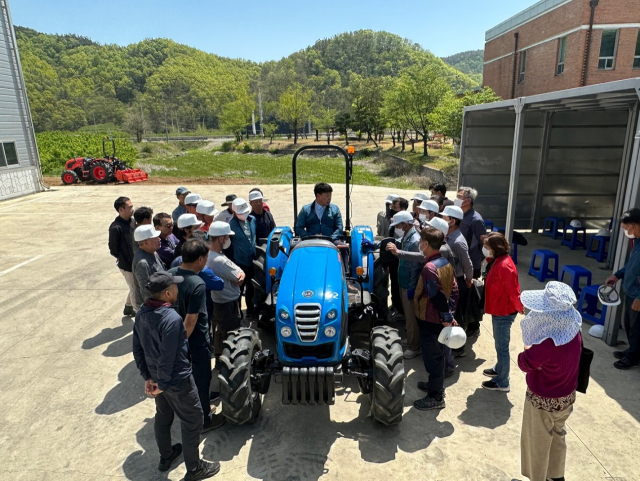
pixel 267 30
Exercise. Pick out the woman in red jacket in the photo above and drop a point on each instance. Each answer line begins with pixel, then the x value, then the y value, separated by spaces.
pixel 502 301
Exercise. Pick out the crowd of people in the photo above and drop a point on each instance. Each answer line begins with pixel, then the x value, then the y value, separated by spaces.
pixel 187 272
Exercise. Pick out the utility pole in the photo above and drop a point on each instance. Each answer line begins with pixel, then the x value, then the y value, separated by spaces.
pixel 260 108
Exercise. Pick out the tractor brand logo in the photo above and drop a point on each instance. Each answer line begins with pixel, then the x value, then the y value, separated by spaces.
pixel 307 294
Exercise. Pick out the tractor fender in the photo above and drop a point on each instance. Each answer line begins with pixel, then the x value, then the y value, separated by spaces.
pixel 361 256
pixel 279 237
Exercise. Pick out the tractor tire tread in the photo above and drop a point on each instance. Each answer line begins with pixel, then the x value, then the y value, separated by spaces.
pixel 387 397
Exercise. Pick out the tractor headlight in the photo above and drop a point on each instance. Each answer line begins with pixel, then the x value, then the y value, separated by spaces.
pixel 329 331
pixel 286 331
pixel 332 314
pixel 283 314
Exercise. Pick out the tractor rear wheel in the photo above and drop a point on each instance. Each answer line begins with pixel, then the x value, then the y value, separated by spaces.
pixel 387 397
pixel 100 172
pixel 240 404
pixel 69 177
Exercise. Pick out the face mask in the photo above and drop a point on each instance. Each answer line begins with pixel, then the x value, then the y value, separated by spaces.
pixel 242 217
pixel 626 232
pixel 399 233
pixel 226 244
pixel 486 252
pixel 458 202
pixel 422 217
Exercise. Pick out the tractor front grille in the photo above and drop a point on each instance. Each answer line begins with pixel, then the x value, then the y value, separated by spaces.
pixel 307 318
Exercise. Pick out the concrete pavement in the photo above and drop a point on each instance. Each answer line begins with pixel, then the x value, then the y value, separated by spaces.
pixel 72 400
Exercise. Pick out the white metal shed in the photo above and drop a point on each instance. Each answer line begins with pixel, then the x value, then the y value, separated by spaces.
pixel 20 172
pixel 572 153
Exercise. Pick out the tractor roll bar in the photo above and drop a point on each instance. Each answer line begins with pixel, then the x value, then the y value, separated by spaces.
pixel 348 175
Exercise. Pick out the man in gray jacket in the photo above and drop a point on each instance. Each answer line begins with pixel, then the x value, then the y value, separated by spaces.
pixel 145 261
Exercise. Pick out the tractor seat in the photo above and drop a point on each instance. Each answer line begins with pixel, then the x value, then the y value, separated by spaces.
pixel 353 293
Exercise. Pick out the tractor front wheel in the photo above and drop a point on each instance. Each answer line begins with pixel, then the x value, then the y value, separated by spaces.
pixel 387 397
pixel 69 177
pixel 240 404
pixel 100 172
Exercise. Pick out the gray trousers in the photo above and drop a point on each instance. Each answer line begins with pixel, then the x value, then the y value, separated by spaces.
pixel 183 401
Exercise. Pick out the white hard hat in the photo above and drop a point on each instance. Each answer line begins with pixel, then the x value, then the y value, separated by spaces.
pixel 575 223
pixel 453 337
pixel 240 206
pixel 431 205
pixel 256 195
pixel 401 217
pixel 608 295
pixel 453 211
pixel 391 198
pixel 218 228
pixel 421 196
pixel 440 224
pixel 206 207
pixel 596 330
pixel 604 233
pixel 145 232
pixel 188 220
pixel 192 198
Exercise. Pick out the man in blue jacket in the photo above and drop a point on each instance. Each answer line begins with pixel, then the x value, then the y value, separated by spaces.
pixel 161 353
pixel 630 275
pixel 321 216
pixel 243 242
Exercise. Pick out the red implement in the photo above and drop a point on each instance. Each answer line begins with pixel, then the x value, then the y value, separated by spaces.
pixel 131 175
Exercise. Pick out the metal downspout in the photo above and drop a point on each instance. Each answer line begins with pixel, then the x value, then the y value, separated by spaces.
pixel 587 51
pixel 515 65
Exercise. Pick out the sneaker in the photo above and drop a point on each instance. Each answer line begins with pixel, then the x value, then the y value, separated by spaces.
pixel 625 363
pixel 492 386
pixel 459 352
pixel 129 311
pixel 619 354
pixel 205 471
pixel 427 403
pixel 404 343
pixel 490 372
pixel 215 421
pixel 165 464
pixel 409 354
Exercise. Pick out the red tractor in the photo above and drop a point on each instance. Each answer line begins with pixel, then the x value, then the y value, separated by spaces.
pixel 101 171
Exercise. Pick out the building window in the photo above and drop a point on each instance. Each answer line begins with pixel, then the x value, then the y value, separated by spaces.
pixel 608 47
pixel 8 154
pixel 562 51
pixel 636 59
pixel 523 66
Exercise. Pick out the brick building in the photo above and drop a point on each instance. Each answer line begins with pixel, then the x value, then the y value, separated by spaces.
pixel 562 44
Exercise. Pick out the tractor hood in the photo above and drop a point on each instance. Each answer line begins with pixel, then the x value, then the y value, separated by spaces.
pixel 313 275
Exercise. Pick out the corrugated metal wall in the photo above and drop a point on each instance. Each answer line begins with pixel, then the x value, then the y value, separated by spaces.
pixel 581 171
pixel 14 125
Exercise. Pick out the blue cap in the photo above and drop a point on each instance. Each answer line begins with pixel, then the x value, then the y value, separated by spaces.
pixel 182 191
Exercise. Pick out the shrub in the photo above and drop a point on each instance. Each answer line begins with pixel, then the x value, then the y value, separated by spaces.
pixel 227 146
pixel 147 148
pixel 273 151
pixel 246 148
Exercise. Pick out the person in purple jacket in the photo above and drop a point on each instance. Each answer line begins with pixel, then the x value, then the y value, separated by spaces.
pixel 551 359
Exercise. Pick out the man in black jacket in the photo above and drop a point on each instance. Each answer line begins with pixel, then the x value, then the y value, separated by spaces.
pixel 121 247
pixel 161 353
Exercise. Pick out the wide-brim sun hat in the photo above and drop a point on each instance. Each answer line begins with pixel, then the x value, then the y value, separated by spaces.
pixel 228 200
pixel 556 296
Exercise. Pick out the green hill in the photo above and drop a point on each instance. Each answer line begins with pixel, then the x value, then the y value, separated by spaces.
pixel 74 82
pixel 469 62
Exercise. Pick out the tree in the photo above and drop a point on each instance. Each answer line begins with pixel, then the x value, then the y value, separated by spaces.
pixel 446 119
pixel 236 115
pixel 325 120
pixel 270 129
pixel 135 121
pixel 415 95
pixel 343 124
pixel 294 108
pixel 366 103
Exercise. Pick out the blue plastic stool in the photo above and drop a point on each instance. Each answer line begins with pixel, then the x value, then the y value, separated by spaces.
pixel 574 242
pixel 588 306
pixel 576 273
pixel 488 224
pixel 502 230
pixel 554 229
pixel 544 272
pixel 600 253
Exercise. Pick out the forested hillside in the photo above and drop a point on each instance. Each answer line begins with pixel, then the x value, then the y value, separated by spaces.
pixel 469 62
pixel 73 82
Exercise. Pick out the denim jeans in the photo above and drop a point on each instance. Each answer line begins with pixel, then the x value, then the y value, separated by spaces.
pixel 502 336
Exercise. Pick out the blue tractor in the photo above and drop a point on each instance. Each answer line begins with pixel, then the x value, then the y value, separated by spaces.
pixel 323 309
